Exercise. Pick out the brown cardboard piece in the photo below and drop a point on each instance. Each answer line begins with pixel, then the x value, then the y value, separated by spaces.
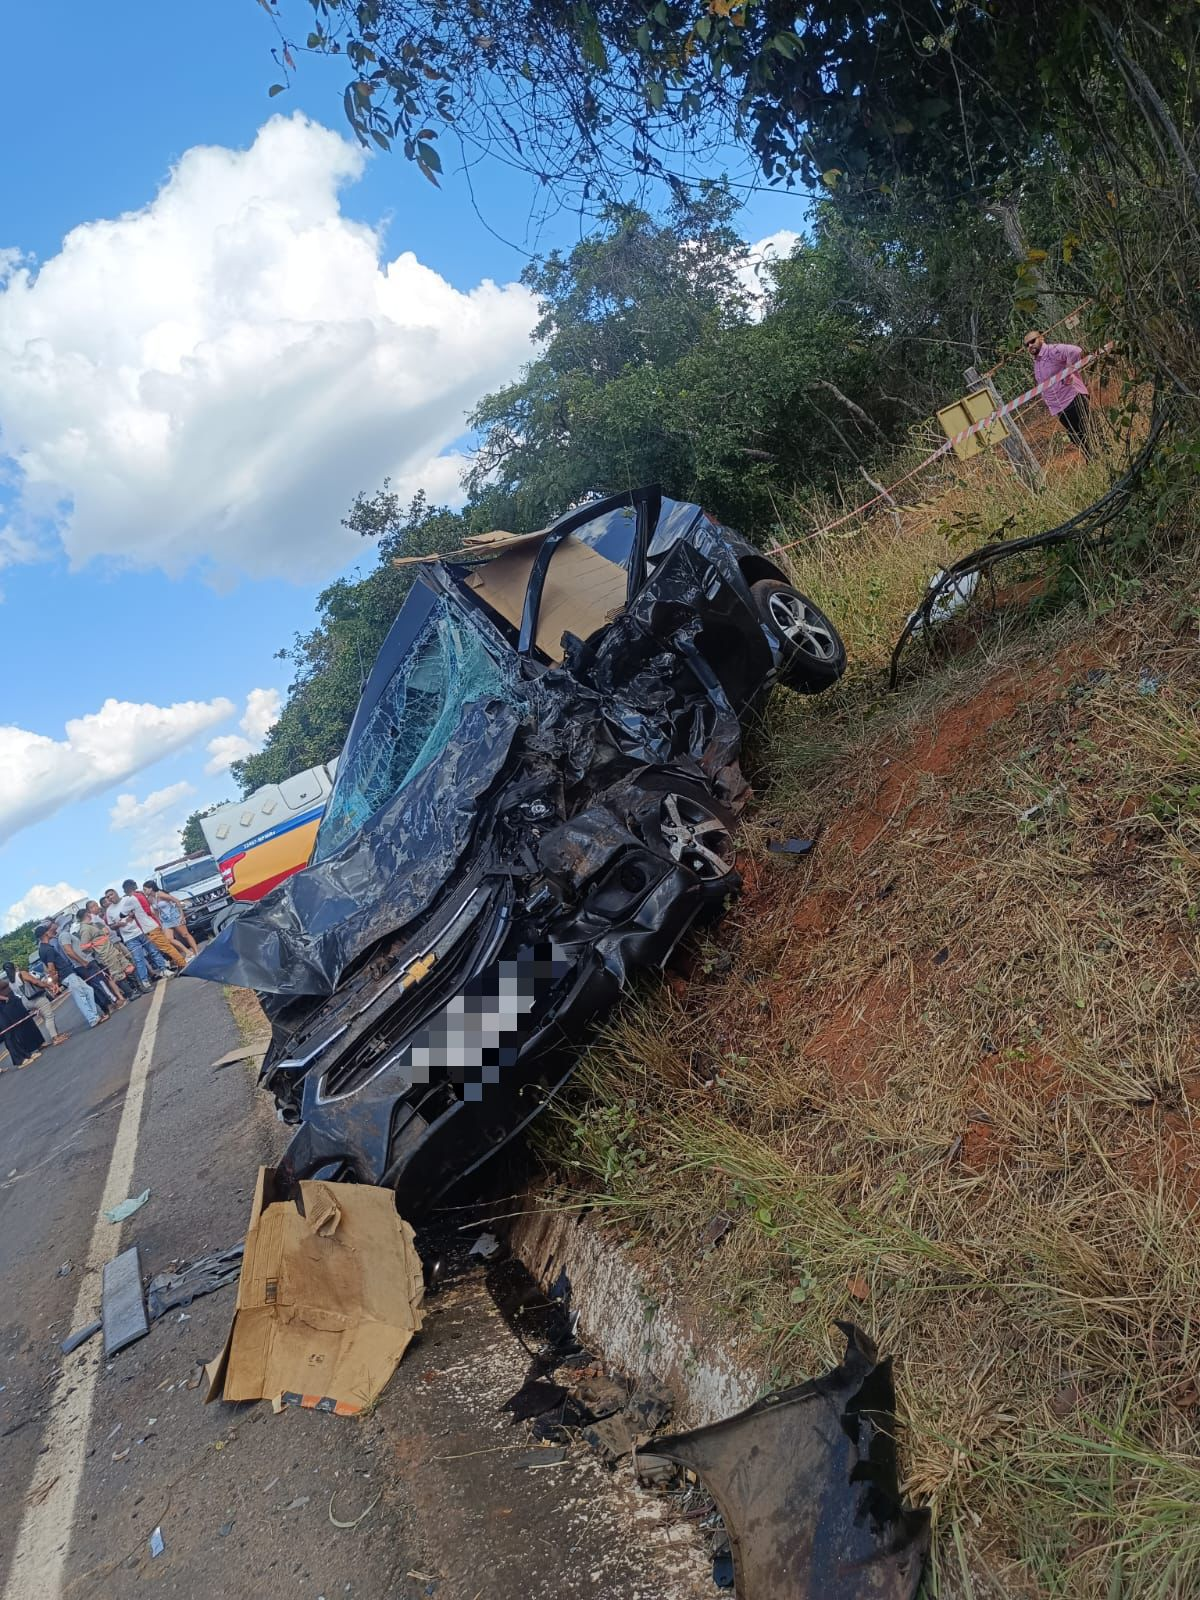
pixel 583 591
pixel 328 1300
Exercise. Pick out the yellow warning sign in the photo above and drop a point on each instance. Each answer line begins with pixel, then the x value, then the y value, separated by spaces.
pixel 972 408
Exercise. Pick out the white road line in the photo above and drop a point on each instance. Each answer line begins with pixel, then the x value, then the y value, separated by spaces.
pixel 37 1566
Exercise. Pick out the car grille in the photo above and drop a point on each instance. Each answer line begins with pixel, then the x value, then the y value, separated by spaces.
pixel 474 942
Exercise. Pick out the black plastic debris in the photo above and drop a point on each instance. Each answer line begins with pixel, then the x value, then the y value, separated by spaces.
pixel 80 1336
pixel 612 1438
pixel 167 1290
pixel 122 1304
pixel 722 1569
pixel 649 1406
pixel 791 847
pixel 545 1457
pixel 602 1396
pixel 535 1398
pixel 806 1483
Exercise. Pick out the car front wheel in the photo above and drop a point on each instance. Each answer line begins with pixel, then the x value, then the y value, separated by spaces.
pixel 696 837
pixel 813 655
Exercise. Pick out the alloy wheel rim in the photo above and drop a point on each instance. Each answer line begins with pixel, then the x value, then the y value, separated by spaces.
pixel 800 624
pixel 696 839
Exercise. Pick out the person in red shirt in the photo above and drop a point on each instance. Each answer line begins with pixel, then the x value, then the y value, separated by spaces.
pixel 136 905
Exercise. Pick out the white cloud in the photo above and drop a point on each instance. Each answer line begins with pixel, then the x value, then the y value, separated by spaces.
pixel 40 775
pixel 261 714
pixel 130 812
pixel 154 824
pixel 40 901
pixel 440 477
pixel 208 381
pixel 755 274
pixel 259 717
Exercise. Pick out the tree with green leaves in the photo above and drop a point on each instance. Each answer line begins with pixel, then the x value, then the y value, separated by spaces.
pixel 819 90
pixel 965 100
pixel 17 945
pixel 660 364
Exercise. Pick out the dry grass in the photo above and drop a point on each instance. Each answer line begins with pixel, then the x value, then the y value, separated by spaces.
pixel 943 1074
pixel 249 1015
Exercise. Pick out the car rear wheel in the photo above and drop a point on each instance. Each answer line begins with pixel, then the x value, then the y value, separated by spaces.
pixel 814 656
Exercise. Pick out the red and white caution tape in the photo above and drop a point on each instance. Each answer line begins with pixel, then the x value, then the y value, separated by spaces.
pixel 959 438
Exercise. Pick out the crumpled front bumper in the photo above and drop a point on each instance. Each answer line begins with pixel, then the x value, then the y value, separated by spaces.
pixel 475 1072
pixel 498 1066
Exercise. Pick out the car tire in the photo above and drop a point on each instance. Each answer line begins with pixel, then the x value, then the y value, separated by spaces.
pixel 813 656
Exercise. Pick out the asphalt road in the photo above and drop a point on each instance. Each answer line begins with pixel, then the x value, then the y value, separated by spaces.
pixel 95 1456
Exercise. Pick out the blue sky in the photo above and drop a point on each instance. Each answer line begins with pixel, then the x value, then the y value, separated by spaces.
pixel 190 397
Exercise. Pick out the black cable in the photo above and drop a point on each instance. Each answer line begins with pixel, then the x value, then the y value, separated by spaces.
pixel 1083 525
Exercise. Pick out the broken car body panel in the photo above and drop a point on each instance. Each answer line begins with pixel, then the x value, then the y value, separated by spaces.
pixel 523 814
pixel 805 1481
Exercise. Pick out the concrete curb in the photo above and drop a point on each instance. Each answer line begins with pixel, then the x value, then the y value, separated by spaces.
pixel 641 1323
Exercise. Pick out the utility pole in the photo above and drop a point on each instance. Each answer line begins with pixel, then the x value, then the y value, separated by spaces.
pixel 1016 447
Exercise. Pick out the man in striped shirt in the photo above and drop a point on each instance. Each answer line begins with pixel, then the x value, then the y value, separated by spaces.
pixel 1066 397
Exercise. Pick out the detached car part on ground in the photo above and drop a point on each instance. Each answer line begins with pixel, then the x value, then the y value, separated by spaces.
pixel 806 1484
pixel 535 799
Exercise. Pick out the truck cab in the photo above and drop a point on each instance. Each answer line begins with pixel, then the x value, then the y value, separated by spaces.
pixel 197 884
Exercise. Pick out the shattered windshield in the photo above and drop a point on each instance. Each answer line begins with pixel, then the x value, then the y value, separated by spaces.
pixel 412 722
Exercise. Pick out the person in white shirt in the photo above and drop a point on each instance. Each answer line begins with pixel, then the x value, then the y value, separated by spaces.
pixel 119 914
pixel 136 905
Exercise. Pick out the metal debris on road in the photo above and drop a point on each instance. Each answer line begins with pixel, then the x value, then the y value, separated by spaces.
pixel 127 1207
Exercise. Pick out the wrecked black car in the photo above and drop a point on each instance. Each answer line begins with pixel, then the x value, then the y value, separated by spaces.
pixel 536 798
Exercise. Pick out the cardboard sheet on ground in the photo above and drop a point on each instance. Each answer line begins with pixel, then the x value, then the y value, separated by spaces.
pixel 328 1301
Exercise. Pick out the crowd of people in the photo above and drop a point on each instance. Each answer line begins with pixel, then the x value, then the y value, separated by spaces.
pixel 105 954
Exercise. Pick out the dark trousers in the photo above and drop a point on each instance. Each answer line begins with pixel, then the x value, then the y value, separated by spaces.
pixel 1077 420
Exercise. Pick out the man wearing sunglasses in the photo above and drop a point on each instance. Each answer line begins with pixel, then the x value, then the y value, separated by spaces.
pixel 1066 397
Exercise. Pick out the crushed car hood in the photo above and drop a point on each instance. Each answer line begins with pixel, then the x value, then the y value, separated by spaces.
pixel 302 937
